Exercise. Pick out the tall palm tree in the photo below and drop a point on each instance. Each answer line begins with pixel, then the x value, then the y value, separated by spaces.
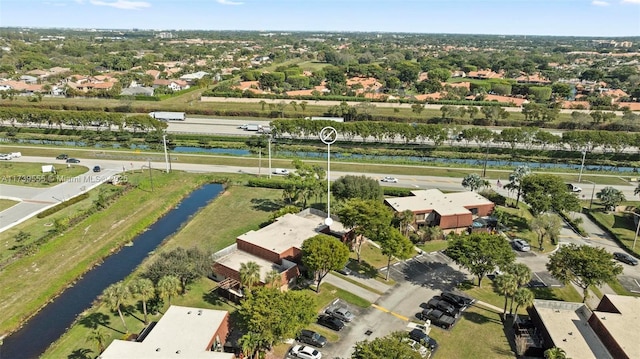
pixel 555 353
pixel 168 286
pixel 506 284
pixel 249 343
pixel 273 279
pixel 522 274
pixel 114 296
pixel 523 297
pixel 100 337
pixel 249 274
pixel 144 288
pixel 405 218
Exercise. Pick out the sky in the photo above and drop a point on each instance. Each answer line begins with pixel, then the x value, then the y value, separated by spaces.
pixel 599 18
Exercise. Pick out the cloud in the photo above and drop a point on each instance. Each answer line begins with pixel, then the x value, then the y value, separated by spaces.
pixel 122 4
pixel 599 3
pixel 229 2
pixel 631 1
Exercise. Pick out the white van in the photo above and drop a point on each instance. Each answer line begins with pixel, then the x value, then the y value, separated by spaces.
pixel 280 171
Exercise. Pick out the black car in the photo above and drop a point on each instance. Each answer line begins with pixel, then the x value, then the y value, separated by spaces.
pixel 330 322
pixel 422 338
pixel 97 169
pixel 625 258
pixel 312 338
pixel 62 157
pixel 73 160
pixel 437 317
pixel 458 300
pixel 438 303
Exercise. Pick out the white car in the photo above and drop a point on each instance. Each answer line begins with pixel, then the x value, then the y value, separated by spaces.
pixel 305 352
pixel 5 156
pixel 389 179
pixel 521 245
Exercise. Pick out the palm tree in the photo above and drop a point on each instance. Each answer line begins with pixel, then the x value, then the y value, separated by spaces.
pixel 522 274
pixel 168 286
pixel 249 343
pixel 506 284
pixel 473 182
pixel 145 289
pixel 249 274
pixel 405 218
pixel 98 336
pixel 555 353
pixel 523 297
pixel 273 279
pixel 114 296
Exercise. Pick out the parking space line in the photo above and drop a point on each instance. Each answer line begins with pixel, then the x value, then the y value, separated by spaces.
pixel 399 316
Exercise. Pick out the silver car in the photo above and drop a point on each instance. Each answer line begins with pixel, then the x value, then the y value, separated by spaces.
pixel 342 313
pixel 521 245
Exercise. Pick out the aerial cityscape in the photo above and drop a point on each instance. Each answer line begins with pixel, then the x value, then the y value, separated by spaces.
pixel 320 179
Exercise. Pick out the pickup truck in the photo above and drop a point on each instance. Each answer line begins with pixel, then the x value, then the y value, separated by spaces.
pixel 573 188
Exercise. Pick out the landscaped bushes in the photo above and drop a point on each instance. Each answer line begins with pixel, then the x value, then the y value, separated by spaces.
pixel 62 205
pixel 275 183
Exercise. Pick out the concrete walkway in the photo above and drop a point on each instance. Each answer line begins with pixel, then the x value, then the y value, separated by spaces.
pixel 352 288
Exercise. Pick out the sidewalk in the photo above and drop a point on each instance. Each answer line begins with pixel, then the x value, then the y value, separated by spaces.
pixel 352 288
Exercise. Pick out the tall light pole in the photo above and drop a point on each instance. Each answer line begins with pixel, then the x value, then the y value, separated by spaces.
pixel 166 154
pixel 633 247
pixel 584 154
pixel 593 191
pixel 328 136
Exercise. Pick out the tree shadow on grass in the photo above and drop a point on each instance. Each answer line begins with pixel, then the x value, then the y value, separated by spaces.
pixel 363 269
pixel 265 205
pixel 130 311
pixel 82 353
pixel 545 293
pixel 94 320
pixel 480 318
pixel 623 222
pixel 213 298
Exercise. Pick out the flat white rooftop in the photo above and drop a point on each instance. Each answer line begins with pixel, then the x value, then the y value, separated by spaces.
pixel 624 327
pixel 446 204
pixel 287 231
pixel 234 259
pixel 182 332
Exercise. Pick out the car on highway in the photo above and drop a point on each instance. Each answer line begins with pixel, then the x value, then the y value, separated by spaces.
pixel 573 188
pixel 457 300
pixel 341 313
pixel 305 352
pixel 62 156
pixel 441 304
pixel 389 179
pixel 625 258
pixel 97 169
pixel 331 322
pixel 5 156
pixel 312 338
pixel 437 318
pixel 423 338
pixel 73 160
pixel 521 245
pixel 281 171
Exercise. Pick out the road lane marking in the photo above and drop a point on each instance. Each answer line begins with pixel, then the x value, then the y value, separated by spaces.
pixel 399 316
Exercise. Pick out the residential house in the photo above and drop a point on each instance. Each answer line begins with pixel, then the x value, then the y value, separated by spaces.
pixel 274 247
pixel 31 80
pixel 452 212
pixel 174 85
pixel 191 78
pixel 609 331
pixel 137 91
pixel 518 102
pixel 182 332
pixel 483 75
pixel 532 79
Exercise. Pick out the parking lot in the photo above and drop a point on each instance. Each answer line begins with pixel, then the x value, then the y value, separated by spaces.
pixel 630 283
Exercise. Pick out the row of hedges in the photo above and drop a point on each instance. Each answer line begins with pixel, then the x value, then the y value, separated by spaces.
pixel 62 205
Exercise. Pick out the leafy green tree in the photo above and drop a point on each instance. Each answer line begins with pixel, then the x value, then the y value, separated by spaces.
pixel 515 181
pixel 115 295
pixel 394 244
pixel 480 253
pixel 249 274
pixel 349 186
pixel 545 224
pixel 473 182
pixel 505 284
pixel 168 287
pixel 365 218
pixel 544 192
pixel 439 74
pixel 186 264
pixel 584 266
pixel 322 254
pixel 144 288
pixel 276 315
pixel 610 197
pixel 555 353
pixel 391 346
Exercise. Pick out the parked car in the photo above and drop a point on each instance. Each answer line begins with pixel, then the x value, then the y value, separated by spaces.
pixel 305 352
pixel 62 157
pixel 422 338
pixel 97 169
pixel 312 338
pixel 437 318
pixel 331 322
pixel 341 313
pixel 5 156
pixel 344 270
pixel 280 171
pixel 521 245
pixel 389 179
pixel 625 258
pixel 441 304
pixel 457 300
pixel 73 160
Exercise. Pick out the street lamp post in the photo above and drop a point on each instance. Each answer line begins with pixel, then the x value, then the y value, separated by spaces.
pixel 166 154
pixel 584 154
pixel 328 136
pixel 593 191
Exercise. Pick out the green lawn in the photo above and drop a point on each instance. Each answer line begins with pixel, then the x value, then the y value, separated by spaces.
pixel 433 246
pixel 30 174
pixel 6 203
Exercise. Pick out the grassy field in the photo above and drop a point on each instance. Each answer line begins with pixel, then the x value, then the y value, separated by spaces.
pixel 28 283
pixel 6 203
pixel 30 174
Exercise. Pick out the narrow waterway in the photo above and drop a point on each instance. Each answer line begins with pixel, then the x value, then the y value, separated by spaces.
pixel 54 319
